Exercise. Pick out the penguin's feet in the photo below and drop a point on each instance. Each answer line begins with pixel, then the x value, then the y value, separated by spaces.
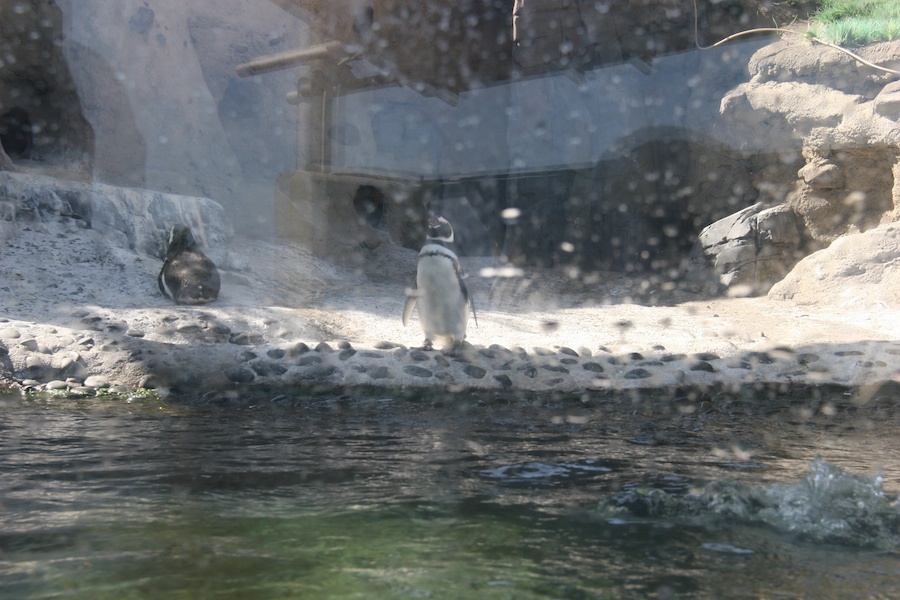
pixel 454 349
pixel 427 345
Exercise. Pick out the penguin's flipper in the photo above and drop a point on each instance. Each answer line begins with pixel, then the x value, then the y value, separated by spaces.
pixel 410 304
pixel 466 294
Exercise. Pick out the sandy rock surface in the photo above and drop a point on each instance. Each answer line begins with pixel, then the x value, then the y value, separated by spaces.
pixel 79 313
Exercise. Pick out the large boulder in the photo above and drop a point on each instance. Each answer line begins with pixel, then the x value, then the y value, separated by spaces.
pixel 856 272
pixel 749 250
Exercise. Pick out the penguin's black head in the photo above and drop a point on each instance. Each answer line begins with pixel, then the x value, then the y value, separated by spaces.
pixel 180 240
pixel 439 229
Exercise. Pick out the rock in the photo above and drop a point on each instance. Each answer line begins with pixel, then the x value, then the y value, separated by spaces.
pixel 307 360
pixel 30 344
pixel 35 365
pixel 749 250
pixel 381 373
pixel 298 348
pixel 504 381
pixel 239 375
pixel 417 371
pixel 855 272
pixel 57 384
pixel 702 365
pixel 474 371
pixel 97 381
pixel 637 374
pixel 887 102
pixel 266 369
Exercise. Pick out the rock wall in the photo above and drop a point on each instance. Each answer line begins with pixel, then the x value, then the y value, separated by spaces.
pixel 35 79
pixel 841 119
pixel 145 95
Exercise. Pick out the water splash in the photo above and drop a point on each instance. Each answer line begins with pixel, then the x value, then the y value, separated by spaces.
pixel 829 505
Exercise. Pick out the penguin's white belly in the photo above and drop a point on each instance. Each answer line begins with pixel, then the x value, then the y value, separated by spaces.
pixel 443 309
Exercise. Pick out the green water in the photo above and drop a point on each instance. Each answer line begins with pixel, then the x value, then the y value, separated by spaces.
pixel 407 498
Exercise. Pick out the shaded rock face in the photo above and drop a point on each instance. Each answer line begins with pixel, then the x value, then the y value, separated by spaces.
pixel 41 116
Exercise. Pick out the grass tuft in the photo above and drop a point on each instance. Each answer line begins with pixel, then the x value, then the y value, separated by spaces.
pixel 856 22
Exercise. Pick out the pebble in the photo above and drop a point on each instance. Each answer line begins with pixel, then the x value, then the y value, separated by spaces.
pixel 569 351
pixel 298 348
pixel 380 373
pixel 503 380
pixel 760 358
pixel 323 348
pixel 417 371
pixel 135 333
pixel 637 374
pixel 243 339
pixel 593 367
pixel 304 361
pixel 29 344
pixel 474 371
pixel 346 353
pixel 318 372
pixel 57 384
pixel 275 353
pixel 9 333
pixel 245 356
pixel 265 368
pixel 344 345
pixel 441 360
pixel 34 363
pixel 418 356
pixel 555 368
pixel 96 381
pixel 218 328
pixel 239 374
pixel 703 366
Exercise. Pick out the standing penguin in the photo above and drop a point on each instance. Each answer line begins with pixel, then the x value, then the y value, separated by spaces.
pixel 188 276
pixel 442 295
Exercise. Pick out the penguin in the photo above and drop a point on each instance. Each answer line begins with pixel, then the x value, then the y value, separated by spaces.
pixel 187 276
pixel 443 298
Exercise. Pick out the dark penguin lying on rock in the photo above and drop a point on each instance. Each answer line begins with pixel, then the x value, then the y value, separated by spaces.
pixel 188 276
